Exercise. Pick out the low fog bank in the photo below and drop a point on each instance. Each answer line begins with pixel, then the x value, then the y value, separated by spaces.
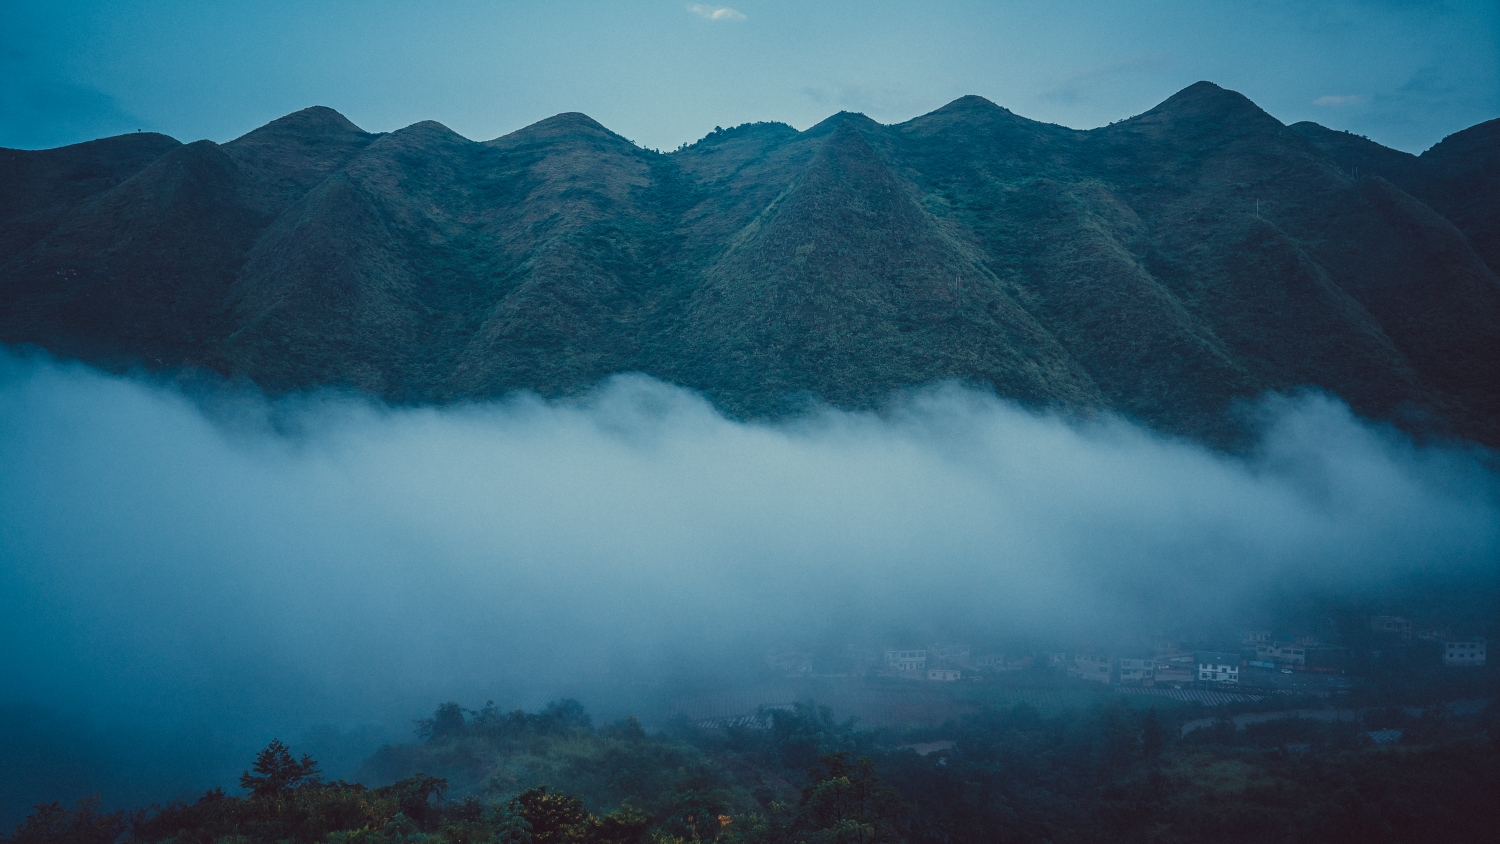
pixel 233 568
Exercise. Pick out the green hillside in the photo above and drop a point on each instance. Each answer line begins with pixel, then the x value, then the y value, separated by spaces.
pixel 1161 267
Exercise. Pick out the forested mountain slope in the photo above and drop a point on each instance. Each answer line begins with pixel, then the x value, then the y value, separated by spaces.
pixel 1161 267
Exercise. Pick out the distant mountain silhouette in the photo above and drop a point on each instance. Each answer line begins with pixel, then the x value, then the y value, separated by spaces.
pixel 1161 267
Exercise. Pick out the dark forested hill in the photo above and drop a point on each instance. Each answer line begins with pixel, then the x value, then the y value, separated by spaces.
pixel 1161 267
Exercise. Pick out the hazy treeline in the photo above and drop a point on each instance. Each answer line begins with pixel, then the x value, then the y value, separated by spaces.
pixel 1112 772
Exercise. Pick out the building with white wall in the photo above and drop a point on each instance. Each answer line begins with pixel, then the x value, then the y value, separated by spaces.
pixel 1468 652
pixel 1218 667
pixel 914 659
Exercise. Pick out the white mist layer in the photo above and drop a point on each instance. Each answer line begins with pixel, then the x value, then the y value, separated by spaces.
pixel 155 559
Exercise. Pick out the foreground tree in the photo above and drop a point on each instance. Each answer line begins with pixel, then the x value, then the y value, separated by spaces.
pixel 277 773
pixel 846 803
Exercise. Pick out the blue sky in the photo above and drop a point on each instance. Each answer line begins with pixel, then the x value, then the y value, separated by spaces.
pixel 661 72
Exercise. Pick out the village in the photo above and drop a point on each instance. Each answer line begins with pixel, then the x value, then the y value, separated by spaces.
pixel 1260 659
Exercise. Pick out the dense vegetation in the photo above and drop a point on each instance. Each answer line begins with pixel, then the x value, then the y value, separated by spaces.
pixel 1112 773
pixel 1162 267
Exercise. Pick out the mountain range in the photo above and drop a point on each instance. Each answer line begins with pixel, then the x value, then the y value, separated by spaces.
pixel 1163 267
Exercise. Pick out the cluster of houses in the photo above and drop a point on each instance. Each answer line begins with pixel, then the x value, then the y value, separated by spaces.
pixel 949 663
pixel 1457 650
pixel 1169 663
pixel 1261 654
pixel 941 663
pixel 1293 654
pixel 1259 649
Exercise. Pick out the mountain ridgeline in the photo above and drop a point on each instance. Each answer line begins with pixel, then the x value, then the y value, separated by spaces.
pixel 1161 267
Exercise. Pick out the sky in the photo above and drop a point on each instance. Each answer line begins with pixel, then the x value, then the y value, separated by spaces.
pixel 663 73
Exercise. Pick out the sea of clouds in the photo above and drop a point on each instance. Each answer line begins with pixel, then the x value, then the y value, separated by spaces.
pixel 218 561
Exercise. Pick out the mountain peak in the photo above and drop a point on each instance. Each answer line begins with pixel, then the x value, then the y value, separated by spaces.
pixel 422 133
pixel 1207 100
pixel 317 117
pixel 965 114
pixel 315 122
pixel 971 103
pixel 292 153
pixel 569 124
pixel 574 120
pixel 1202 107
pixel 854 119
pixel 429 126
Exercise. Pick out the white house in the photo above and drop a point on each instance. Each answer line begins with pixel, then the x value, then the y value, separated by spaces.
pixel 946 675
pixel 1218 667
pixel 909 660
pixel 1464 653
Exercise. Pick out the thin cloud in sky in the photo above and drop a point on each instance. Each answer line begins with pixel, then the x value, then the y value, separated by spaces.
pixel 716 13
pixel 1338 101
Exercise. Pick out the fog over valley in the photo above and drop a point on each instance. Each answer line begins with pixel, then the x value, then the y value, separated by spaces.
pixel 213 568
